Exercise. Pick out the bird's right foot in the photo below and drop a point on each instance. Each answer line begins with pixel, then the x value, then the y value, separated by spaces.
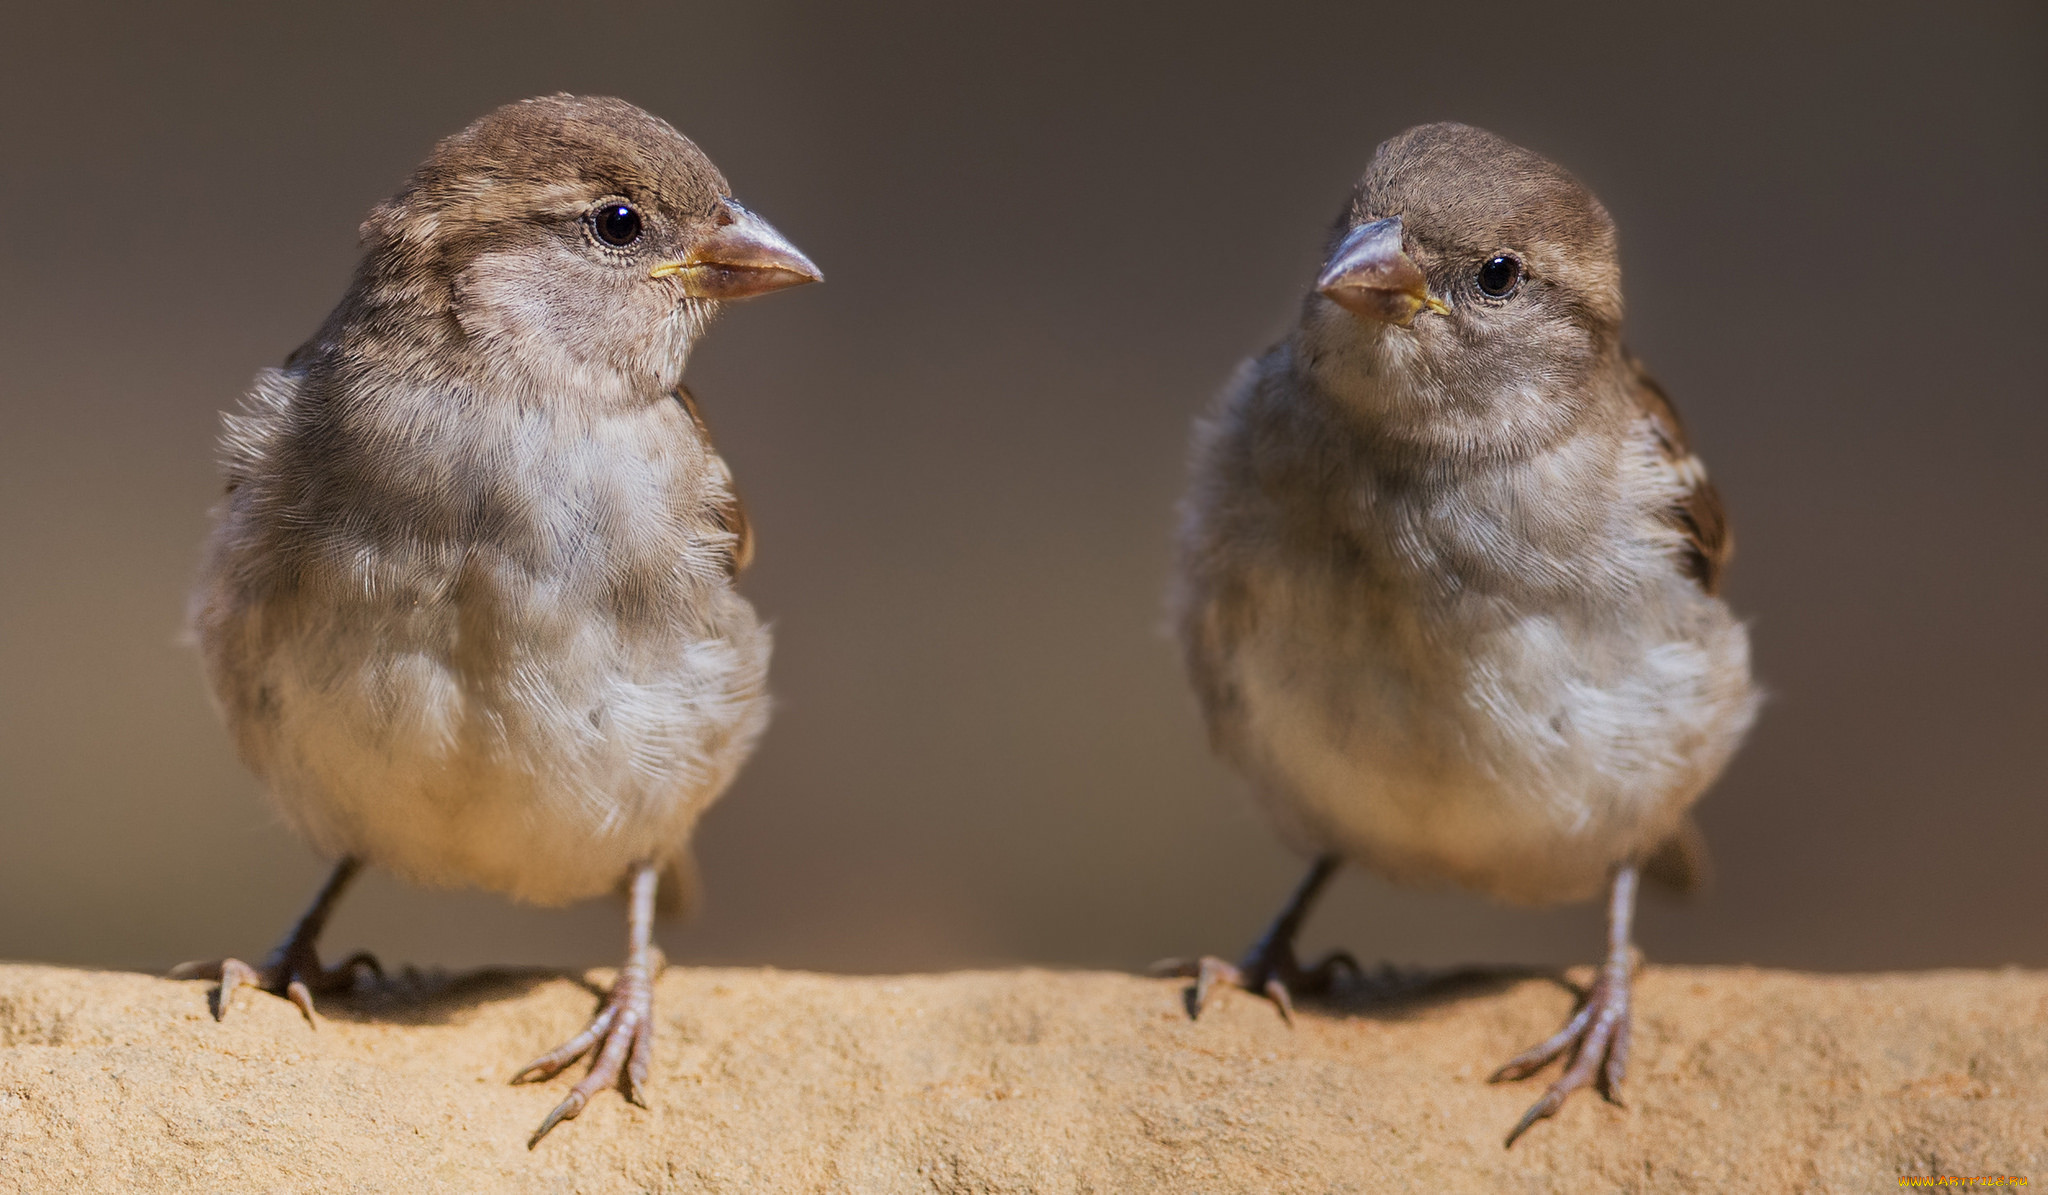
pixel 1270 968
pixel 293 972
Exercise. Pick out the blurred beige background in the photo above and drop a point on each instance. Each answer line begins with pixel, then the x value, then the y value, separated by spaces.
pixel 1050 234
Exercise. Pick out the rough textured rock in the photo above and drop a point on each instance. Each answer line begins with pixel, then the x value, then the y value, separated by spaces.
pixel 1018 1081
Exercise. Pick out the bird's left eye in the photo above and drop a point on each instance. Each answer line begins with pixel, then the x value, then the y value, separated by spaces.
pixel 1499 277
pixel 616 224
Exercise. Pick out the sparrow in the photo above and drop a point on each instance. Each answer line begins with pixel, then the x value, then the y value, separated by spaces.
pixel 1448 575
pixel 469 607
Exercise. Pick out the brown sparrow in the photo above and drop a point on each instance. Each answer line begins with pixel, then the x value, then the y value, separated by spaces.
pixel 469 606
pixel 1448 572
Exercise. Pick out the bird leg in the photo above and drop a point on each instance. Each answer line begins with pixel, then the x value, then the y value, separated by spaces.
pixel 1270 968
pixel 293 970
pixel 1597 1035
pixel 621 1036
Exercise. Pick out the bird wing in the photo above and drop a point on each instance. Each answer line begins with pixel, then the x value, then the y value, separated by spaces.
pixel 1696 515
pixel 1706 543
pixel 728 512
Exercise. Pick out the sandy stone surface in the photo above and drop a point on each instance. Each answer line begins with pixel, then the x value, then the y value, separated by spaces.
pixel 771 1081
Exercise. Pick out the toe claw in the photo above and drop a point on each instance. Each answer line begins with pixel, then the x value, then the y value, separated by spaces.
pixel 1541 1109
pixel 1616 1067
pixel 566 1110
pixel 555 1061
pixel 1277 992
pixel 543 1068
pixel 1538 1056
pixel 234 975
pixel 1212 971
pixel 299 994
pixel 639 1061
pixel 1522 1065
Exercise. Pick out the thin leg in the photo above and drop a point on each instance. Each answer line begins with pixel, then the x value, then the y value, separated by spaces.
pixel 1270 968
pixel 293 970
pixel 1598 1034
pixel 622 1032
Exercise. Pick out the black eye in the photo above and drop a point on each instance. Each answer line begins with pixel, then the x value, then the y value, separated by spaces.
pixel 1499 277
pixel 616 224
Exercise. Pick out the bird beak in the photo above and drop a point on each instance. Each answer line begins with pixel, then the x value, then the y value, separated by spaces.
pixel 741 258
pixel 1369 275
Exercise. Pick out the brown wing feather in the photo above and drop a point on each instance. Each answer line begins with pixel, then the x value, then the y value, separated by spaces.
pixel 1698 516
pixel 730 514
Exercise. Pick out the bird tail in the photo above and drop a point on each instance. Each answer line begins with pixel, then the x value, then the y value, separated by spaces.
pixel 1681 866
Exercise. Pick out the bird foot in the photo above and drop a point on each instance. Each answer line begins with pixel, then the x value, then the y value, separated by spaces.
pixel 293 971
pixel 621 1036
pixel 1597 1037
pixel 1270 970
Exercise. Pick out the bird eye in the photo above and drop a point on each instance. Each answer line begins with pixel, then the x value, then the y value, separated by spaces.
pixel 1499 277
pixel 616 224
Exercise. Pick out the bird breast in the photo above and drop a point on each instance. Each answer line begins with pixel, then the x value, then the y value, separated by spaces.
pixel 1498 679
pixel 480 641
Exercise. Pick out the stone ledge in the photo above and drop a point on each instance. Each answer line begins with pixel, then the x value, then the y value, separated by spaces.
pixel 1018 1081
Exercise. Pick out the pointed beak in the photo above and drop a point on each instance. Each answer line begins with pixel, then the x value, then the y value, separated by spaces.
pixel 1369 275
pixel 742 257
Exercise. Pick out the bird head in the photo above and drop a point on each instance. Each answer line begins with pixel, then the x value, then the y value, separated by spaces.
pixel 569 242
pixel 1470 291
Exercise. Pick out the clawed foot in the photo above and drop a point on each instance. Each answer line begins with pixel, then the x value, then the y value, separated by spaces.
pixel 1269 970
pixel 293 969
pixel 1597 1037
pixel 293 972
pixel 622 1037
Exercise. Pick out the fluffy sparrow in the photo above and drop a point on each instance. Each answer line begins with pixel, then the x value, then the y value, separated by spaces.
pixel 469 605
pixel 1448 572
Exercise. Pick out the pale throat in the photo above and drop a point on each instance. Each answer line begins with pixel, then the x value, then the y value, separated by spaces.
pixel 1391 380
pixel 553 334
